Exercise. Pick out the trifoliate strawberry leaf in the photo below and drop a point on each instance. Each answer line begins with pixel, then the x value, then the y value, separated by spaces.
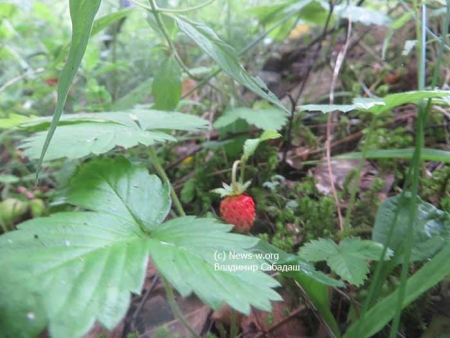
pixel 79 135
pixel 276 256
pixel 71 269
pixel 200 256
pixel 119 193
pixel 348 259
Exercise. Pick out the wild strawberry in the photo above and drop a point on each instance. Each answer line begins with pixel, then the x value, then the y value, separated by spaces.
pixel 237 207
pixel 238 210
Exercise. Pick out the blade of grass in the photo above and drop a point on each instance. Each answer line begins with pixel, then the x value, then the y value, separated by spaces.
pixel 429 275
pixel 407 154
pixel 416 166
pixel 82 13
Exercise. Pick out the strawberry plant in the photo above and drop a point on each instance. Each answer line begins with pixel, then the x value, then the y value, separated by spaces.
pixel 74 268
pixel 237 207
pixel 69 270
pixel 77 261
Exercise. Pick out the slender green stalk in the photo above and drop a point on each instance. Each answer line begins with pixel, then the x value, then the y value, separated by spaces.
pixel 168 39
pixel 358 175
pixel 233 328
pixel 175 309
pixel 442 45
pixel 174 11
pixel 221 329
pixel 160 170
pixel 412 175
pixel 421 49
pixel 241 178
pixel 4 227
pixel 233 175
pixel 242 52
pixel 184 10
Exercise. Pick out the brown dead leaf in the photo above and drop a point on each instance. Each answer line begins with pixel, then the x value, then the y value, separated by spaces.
pixel 341 170
pixel 156 316
pixel 284 321
pixel 223 315
pixel 99 330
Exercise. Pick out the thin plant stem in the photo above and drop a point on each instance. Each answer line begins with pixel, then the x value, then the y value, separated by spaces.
pixel 221 329
pixel 175 309
pixel 4 227
pixel 163 28
pixel 242 52
pixel 233 175
pixel 339 62
pixel 421 50
pixel 174 11
pixel 241 178
pixel 160 170
pixel 233 328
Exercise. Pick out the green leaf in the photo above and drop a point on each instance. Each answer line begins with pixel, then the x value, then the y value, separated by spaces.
pixel 67 271
pixel 363 15
pixel 134 96
pixel 265 119
pixel 250 145
pixel 398 99
pixel 167 85
pixel 328 108
pixel 305 268
pixel 7 11
pixel 379 105
pixel 311 11
pixel 348 259
pixel 13 120
pixel 80 140
pixel 107 20
pixel 98 188
pixel 407 153
pixel 82 13
pixel 5 178
pixel 184 250
pixel 188 192
pixel 314 283
pixel 377 317
pixel 99 25
pixel 318 294
pixel 80 135
pixel 225 56
pixel 71 269
pixel 432 226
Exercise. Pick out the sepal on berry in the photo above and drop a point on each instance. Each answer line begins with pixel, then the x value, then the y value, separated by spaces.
pixel 229 190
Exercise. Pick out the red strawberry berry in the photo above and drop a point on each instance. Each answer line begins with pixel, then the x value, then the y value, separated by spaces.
pixel 238 210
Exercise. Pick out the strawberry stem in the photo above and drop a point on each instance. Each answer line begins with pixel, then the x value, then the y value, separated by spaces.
pixel 241 179
pixel 234 185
